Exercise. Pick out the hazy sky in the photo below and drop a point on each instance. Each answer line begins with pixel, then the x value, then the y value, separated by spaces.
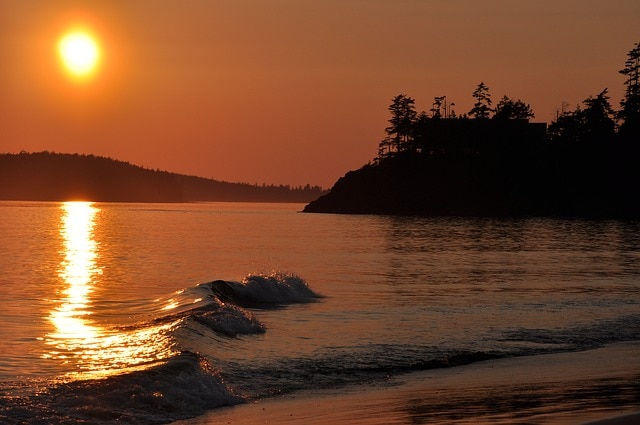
pixel 289 91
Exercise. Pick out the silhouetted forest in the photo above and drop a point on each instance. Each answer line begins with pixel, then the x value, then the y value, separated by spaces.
pixel 491 161
pixel 47 176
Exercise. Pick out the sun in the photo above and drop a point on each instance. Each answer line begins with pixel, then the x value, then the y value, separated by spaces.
pixel 79 52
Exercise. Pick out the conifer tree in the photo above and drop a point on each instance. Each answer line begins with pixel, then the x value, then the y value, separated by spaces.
pixel 598 125
pixel 591 124
pixel 482 108
pixel 400 131
pixel 513 109
pixel 630 112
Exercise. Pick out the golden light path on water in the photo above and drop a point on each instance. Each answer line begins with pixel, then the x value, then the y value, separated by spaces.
pixel 87 349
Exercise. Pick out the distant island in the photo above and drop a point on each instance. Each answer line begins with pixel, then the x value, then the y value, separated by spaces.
pixel 494 162
pixel 47 176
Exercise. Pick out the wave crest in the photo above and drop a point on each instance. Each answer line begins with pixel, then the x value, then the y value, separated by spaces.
pixel 220 305
pixel 265 291
pixel 185 386
pixel 230 320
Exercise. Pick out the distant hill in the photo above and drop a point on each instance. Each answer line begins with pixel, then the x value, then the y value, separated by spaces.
pixel 47 176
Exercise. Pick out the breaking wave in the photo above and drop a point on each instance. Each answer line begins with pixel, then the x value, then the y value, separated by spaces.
pixel 181 385
pixel 211 364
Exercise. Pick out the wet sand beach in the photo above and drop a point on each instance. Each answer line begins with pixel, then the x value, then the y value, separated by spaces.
pixel 565 388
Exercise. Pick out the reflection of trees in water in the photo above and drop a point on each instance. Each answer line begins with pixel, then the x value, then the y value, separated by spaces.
pixel 519 254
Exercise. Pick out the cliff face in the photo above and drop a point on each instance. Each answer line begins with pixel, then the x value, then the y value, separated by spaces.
pixel 595 183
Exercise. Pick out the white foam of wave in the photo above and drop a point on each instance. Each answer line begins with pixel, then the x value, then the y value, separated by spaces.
pixel 264 290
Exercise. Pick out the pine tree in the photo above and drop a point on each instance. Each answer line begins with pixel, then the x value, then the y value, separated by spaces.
pixel 509 109
pixel 597 119
pixel 400 132
pixel 482 108
pixel 591 124
pixel 630 112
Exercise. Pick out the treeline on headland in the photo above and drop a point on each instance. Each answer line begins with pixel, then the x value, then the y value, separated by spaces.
pixel 47 176
pixel 493 162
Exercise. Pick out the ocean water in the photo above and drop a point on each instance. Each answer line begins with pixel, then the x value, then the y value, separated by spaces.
pixel 152 313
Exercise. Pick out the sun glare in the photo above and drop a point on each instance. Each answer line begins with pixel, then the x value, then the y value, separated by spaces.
pixel 88 349
pixel 79 53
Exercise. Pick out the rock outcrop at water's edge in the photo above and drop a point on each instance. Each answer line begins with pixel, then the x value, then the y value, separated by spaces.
pixel 598 183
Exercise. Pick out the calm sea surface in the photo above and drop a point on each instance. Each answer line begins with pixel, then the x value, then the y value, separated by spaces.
pixel 149 313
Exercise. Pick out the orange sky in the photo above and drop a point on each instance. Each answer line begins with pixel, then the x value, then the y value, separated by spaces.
pixel 289 91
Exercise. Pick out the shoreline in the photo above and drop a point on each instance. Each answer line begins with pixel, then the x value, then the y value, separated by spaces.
pixel 563 388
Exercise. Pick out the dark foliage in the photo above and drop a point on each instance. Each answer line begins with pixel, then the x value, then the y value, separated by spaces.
pixel 509 109
pixel 592 124
pixel 482 107
pixel 585 164
pixel 630 112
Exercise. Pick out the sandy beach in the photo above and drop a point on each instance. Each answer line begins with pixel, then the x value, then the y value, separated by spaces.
pixel 566 388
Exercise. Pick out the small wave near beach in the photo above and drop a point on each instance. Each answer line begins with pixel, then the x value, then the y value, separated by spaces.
pixel 206 346
pixel 175 380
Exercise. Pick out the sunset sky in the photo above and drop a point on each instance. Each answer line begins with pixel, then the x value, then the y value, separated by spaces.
pixel 288 91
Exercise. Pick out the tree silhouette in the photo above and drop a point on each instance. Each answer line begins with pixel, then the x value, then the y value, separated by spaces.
pixel 598 125
pixel 630 112
pixel 513 109
pixel 400 131
pixel 482 108
pixel 565 129
pixel 436 109
pixel 593 124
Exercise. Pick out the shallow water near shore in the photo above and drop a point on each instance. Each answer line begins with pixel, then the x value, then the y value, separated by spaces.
pixel 560 389
pixel 154 313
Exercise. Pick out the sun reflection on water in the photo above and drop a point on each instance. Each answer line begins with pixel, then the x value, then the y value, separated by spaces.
pixel 86 348
pixel 78 269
